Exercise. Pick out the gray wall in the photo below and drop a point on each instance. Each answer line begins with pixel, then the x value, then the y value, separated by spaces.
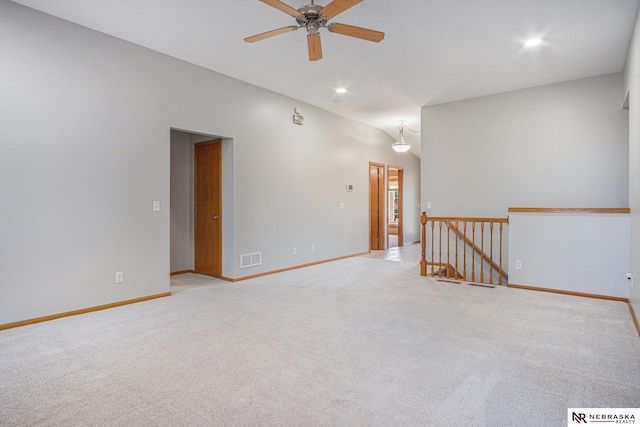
pixel 632 88
pixel 562 145
pixel 85 122
pixel 576 252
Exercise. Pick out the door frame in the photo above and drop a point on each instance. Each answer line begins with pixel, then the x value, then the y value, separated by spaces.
pixel 377 216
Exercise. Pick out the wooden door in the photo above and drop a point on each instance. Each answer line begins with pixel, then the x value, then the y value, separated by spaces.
pixel 377 195
pixel 208 208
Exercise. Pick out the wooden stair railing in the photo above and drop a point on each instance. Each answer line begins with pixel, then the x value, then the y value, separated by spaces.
pixel 459 226
pixel 480 251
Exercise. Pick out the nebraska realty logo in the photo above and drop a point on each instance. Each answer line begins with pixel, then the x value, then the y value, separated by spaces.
pixel 581 416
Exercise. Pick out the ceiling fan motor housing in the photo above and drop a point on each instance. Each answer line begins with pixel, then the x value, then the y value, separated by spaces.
pixel 311 18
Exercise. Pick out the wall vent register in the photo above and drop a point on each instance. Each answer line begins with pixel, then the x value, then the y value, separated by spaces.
pixel 250 260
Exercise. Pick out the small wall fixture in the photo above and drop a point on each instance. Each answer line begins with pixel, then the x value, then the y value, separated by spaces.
pixel 297 117
pixel 401 146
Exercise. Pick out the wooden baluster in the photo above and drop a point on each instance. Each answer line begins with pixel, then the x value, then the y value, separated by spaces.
pixel 448 248
pixel 501 269
pixel 482 252
pixel 473 251
pixel 464 250
pixel 458 230
pixel 440 248
pixel 433 238
pixel 423 259
pixel 491 253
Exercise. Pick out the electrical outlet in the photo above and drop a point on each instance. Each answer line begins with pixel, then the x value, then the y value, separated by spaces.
pixel 630 279
pixel 518 264
pixel 295 250
pixel 313 248
pixel 119 277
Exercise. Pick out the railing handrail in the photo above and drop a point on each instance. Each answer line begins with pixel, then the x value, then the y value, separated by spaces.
pixel 463 218
pixel 572 210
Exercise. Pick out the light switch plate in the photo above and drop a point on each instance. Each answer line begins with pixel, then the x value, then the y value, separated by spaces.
pixel 156 206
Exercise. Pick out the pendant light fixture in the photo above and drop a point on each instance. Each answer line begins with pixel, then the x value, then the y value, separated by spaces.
pixel 401 146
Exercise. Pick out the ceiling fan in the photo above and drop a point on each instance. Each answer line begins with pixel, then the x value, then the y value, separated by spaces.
pixel 313 17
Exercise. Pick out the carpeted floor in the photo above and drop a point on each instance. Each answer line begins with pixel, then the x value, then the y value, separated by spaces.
pixel 363 341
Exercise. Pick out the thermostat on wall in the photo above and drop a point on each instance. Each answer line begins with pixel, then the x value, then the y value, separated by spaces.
pixel 349 187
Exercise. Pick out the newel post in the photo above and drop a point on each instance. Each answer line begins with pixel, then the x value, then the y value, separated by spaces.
pixel 423 261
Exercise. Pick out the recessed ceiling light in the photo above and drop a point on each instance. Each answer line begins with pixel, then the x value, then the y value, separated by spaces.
pixel 341 90
pixel 532 42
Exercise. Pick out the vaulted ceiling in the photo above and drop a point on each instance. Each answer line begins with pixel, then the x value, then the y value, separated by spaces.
pixel 433 52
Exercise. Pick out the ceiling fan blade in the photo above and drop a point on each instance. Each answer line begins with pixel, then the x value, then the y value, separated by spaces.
pixel 315 47
pixel 338 6
pixel 283 7
pixel 271 33
pixel 361 33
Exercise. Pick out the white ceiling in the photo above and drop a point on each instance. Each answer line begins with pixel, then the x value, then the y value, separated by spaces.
pixel 434 51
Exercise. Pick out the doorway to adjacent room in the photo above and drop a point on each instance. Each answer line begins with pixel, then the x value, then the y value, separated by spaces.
pixel 394 206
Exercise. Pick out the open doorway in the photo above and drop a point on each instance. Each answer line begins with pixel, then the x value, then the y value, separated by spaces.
pixel 394 203
pixel 186 248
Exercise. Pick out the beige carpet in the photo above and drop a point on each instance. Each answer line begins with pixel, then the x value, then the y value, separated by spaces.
pixel 360 342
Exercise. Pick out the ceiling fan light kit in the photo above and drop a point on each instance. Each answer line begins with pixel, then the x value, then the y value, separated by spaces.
pixel 313 17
